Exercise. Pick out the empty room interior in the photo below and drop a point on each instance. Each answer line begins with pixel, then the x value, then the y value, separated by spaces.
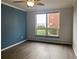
pixel 38 29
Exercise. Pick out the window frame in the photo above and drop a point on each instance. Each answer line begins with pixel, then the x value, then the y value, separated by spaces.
pixel 46 25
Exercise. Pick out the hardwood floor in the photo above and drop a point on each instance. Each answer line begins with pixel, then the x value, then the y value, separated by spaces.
pixel 37 50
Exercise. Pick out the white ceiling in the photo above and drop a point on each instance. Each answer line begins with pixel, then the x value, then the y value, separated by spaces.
pixel 49 4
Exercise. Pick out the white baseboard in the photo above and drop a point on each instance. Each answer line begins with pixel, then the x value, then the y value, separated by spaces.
pixel 75 52
pixel 51 41
pixel 12 45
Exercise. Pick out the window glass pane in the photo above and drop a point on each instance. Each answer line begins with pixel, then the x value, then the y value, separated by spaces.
pixel 53 24
pixel 41 24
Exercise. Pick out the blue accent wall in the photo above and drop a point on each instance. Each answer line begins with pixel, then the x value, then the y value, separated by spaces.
pixel 13 23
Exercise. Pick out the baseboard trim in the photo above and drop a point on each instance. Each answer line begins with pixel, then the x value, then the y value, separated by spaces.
pixel 75 53
pixel 12 45
pixel 54 42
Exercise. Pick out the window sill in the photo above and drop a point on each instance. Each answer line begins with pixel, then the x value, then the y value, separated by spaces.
pixel 47 36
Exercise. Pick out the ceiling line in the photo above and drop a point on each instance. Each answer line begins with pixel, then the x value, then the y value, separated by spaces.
pixel 12 6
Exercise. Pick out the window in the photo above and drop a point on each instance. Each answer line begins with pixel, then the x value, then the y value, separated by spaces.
pixel 47 24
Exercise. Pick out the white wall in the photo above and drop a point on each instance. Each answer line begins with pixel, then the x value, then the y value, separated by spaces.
pixel 75 29
pixel 66 20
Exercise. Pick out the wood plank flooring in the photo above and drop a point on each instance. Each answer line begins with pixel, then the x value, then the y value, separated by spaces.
pixel 37 50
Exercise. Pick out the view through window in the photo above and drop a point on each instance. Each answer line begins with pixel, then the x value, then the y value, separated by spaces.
pixel 47 24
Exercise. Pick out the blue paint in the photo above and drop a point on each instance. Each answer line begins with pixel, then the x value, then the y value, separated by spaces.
pixel 13 23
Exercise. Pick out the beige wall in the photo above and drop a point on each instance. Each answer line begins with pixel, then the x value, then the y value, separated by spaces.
pixel 66 20
pixel 75 29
